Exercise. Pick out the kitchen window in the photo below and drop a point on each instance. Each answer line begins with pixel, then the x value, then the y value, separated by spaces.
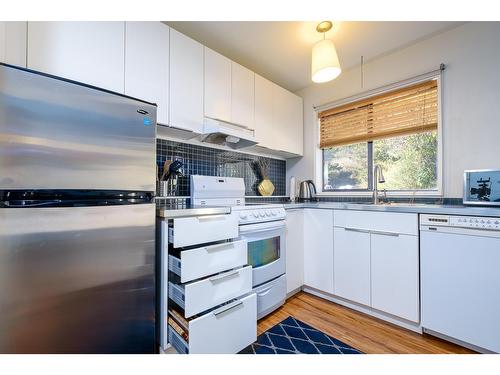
pixel 397 130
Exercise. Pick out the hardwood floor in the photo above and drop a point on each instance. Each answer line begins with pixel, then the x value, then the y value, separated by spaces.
pixel 363 332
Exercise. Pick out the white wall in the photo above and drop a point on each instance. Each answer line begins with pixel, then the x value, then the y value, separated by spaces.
pixel 470 94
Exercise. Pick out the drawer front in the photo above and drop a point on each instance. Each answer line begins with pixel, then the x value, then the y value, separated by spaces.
pixel 227 329
pixel 209 260
pixel 270 296
pixel 189 231
pixel 202 295
pixel 392 222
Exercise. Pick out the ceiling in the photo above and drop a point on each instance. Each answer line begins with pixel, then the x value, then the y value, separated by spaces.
pixel 281 51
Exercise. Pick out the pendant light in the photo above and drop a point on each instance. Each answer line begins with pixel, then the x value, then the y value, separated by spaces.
pixel 325 62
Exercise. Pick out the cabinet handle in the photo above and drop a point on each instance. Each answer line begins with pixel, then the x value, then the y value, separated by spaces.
pixel 217 313
pixel 357 230
pixel 393 234
pixel 212 217
pixel 224 275
pixel 219 247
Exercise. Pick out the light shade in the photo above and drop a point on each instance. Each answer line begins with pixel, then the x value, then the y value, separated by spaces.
pixel 325 62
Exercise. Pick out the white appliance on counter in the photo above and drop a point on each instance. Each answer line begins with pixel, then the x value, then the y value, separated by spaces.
pixel 460 279
pixel 263 228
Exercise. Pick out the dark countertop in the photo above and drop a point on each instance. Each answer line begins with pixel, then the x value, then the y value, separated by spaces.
pixel 401 207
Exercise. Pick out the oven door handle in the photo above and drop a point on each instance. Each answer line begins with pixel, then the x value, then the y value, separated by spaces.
pixel 264 227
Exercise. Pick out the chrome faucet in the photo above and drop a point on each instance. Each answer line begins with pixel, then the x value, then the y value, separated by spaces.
pixel 378 177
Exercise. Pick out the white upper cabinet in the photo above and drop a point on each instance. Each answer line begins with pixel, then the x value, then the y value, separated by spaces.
pixel 146 64
pixel 278 118
pixel 88 52
pixel 287 119
pixel 13 42
pixel 318 249
pixel 242 95
pixel 186 83
pixel 217 86
pixel 264 111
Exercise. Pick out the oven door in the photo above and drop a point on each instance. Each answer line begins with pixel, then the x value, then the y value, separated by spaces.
pixel 266 249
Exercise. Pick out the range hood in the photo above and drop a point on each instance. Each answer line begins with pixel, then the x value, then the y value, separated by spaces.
pixel 227 134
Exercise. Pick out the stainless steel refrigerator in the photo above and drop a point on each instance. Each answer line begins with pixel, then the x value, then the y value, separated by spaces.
pixel 77 238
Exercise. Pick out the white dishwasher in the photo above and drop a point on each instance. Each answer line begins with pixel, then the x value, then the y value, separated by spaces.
pixel 460 279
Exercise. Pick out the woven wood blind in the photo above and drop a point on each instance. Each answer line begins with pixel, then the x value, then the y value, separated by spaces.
pixel 409 110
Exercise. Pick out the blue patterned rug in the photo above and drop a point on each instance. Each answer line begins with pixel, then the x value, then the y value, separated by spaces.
pixel 291 336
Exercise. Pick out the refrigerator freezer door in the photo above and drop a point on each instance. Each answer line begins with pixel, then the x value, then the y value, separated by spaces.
pixel 56 134
pixel 77 280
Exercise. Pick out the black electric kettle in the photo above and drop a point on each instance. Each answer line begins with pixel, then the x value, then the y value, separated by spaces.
pixel 307 191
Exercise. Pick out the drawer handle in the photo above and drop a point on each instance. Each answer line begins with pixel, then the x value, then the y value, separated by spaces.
pixel 223 276
pixel 357 230
pixel 219 247
pixel 227 309
pixel 265 292
pixel 394 234
pixel 212 217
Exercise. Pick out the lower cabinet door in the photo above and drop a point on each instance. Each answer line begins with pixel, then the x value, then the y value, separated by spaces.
pixel 294 249
pixel 225 330
pixel 394 275
pixel 352 265
pixel 318 249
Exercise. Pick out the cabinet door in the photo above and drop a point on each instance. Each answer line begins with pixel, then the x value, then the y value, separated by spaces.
pixel 88 52
pixel 242 96
pixel 394 275
pixel 217 86
pixel 146 64
pixel 294 249
pixel 352 265
pixel 13 42
pixel 287 120
pixel 318 249
pixel 264 112
pixel 186 83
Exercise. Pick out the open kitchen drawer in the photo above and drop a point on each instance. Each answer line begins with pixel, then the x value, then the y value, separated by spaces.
pixel 189 231
pixel 208 260
pixel 224 330
pixel 199 296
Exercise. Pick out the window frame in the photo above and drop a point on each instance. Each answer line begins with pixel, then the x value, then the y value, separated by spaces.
pixel 319 156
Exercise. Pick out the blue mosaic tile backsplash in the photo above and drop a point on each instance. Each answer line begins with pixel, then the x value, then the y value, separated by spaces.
pixel 216 162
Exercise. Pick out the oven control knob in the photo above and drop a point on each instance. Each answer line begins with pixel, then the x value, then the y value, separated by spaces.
pixel 262 214
pixel 273 212
pixel 268 213
pixel 243 215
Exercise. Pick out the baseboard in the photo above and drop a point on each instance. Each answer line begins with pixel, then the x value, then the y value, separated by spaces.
pixel 293 292
pixel 458 342
pixel 415 327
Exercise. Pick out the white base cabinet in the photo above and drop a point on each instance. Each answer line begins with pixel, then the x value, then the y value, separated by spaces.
pixel 352 265
pixel 294 249
pixel 376 261
pixel 318 249
pixel 395 275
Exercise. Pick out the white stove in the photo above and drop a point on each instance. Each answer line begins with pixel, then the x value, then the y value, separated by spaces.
pixel 261 225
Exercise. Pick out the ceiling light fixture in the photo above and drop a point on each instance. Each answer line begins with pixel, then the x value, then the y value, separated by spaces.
pixel 325 62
